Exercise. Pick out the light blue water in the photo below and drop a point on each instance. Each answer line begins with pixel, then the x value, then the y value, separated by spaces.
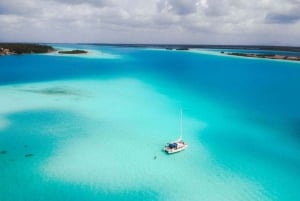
pixel 96 126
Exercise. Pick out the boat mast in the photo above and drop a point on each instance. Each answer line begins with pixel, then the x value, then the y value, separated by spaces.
pixel 180 124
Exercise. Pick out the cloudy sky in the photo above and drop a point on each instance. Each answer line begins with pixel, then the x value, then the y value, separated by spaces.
pixel 151 21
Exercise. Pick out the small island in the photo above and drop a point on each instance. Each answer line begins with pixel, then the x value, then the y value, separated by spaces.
pixel 73 52
pixel 182 48
pixel 23 48
pixel 176 48
pixel 264 56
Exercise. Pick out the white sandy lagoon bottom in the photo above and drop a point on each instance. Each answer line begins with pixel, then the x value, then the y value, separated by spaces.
pixel 103 140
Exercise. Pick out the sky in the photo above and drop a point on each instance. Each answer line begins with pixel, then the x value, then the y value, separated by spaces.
pixel 263 22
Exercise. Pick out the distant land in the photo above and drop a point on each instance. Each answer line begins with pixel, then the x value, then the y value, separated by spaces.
pixel 181 47
pixel 189 46
pixel 73 52
pixel 264 56
pixel 27 48
pixel 23 48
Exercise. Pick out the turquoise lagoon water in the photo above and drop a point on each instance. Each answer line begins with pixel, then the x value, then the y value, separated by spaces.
pixel 96 125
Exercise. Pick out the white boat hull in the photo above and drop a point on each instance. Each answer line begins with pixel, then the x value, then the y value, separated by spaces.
pixel 175 150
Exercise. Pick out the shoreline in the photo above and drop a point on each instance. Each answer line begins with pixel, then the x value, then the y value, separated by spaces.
pixel 199 46
pixel 32 48
pixel 24 48
pixel 263 56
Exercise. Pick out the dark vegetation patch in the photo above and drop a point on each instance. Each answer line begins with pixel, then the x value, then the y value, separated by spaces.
pixel 24 48
pixel 73 52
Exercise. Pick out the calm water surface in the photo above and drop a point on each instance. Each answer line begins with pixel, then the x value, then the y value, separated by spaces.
pixel 92 127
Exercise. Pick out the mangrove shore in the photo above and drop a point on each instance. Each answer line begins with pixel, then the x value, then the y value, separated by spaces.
pixel 264 56
pixel 24 48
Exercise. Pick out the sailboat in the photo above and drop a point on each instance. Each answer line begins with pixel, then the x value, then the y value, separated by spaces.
pixel 178 145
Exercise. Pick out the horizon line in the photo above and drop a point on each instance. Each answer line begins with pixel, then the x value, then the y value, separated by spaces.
pixel 159 44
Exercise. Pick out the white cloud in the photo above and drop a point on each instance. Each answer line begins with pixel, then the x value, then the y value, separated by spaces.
pixel 151 21
pixel 179 7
